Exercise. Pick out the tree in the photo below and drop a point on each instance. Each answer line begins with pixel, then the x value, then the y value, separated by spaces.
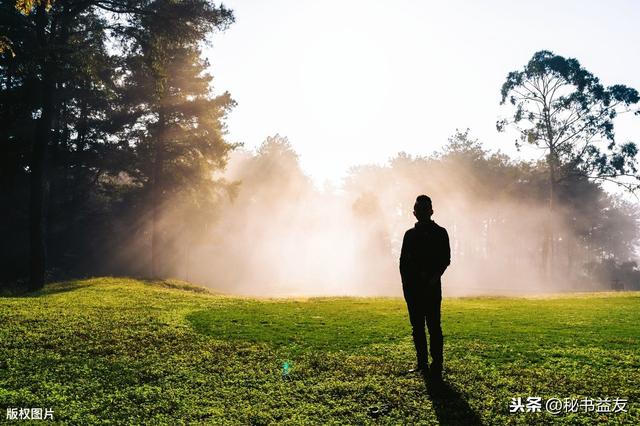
pixel 50 23
pixel 563 109
pixel 178 123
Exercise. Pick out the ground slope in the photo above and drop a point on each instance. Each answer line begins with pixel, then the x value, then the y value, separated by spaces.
pixel 122 351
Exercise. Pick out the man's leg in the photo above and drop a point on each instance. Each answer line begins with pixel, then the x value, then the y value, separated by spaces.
pixel 436 340
pixel 417 318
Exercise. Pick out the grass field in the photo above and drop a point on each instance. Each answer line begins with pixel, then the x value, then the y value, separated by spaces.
pixel 121 351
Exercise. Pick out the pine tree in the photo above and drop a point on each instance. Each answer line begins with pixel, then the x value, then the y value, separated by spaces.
pixel 178 131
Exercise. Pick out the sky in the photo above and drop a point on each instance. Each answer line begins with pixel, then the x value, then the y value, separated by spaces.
pixel 355 82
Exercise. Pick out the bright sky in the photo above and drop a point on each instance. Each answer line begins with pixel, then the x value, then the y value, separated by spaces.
pixel 357 81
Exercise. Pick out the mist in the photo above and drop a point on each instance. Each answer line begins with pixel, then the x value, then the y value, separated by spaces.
pixel 274 233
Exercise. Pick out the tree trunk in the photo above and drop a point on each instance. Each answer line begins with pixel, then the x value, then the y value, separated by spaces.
pixel 38 182
pixel 551 235
pixel 38 178
pixel 156 196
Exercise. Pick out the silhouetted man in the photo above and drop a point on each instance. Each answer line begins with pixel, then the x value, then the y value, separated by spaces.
pixel 425 256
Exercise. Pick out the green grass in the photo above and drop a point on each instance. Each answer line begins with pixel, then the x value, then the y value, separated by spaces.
pixel 122 351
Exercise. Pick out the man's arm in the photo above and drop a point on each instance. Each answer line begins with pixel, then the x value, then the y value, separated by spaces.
pixel 443 257
pixel 405 259
pixel 446 253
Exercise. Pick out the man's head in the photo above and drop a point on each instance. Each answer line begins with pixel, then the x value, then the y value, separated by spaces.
pixel 422 209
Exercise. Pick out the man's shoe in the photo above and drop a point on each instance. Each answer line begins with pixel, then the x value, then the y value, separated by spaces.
pixel 422 369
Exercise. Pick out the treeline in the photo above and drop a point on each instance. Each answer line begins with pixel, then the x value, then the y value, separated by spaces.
pixel 106 111
pixel 496 211
pixel 283 234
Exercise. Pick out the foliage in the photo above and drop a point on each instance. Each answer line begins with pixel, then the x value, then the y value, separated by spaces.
pixel 5 46
pixel 26 6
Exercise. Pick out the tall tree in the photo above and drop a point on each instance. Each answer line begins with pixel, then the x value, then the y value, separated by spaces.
pixel 169 92
pixel 50 22
pixel 563 109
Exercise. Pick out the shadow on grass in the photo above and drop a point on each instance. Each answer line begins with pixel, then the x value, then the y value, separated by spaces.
pixel 178 285
pixel 299 327
pixel 450 405
pixel 20 290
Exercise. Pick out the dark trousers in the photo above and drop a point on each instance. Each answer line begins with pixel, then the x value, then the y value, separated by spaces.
pixel 424 309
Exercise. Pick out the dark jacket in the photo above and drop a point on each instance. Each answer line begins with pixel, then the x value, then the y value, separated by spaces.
pixel 425 254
